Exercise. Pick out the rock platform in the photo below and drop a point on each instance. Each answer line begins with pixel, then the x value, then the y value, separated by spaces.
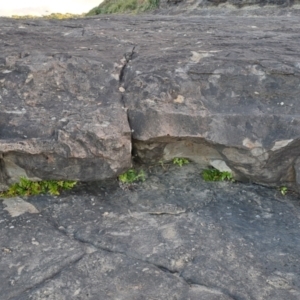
pixel 82 99
pixel 173 236
pixel 79 97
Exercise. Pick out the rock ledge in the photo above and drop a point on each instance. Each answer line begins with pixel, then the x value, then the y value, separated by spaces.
pixel 76 96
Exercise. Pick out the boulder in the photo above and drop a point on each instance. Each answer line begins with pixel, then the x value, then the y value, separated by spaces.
pixel 61 115
pixel 219 91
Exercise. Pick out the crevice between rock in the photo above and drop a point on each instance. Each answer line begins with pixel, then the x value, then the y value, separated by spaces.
pixel 128 57
pixel 213 289
pixel 51 277
pixel 164 269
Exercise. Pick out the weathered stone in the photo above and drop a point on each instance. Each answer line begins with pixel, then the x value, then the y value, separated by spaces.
pixel 297 171
pixel 194 4
pixel 212 8
pixel 208 89
pixel 61 114
pixel 218 94
pixel 17 206
pixel 173 236
pixel 32 251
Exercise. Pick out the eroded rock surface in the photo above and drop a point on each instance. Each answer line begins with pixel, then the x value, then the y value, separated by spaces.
pixel 229 7
pixel 224 89
pixel 61 114
pixel 220 91
pixel 173 236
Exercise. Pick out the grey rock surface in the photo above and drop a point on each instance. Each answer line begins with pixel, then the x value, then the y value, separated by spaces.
pixel 237 3
pixel 173 236
pixel 228 7
pixel 32 251
pixel 220 89
pixel 77 95
pixel 61 114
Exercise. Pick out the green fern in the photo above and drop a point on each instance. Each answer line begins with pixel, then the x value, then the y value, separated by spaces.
pixel 283 190
pixel 216 175
pixel 131 176
pixel 179 161
pixel 27 187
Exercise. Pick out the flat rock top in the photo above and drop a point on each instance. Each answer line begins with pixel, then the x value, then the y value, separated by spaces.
pixel 173 236
pixel 198 65
pixel 253 46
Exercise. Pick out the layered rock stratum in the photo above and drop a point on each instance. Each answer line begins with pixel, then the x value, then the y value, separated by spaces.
pixel 79 97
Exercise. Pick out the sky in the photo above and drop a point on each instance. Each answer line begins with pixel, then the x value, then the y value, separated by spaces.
pixel 45 7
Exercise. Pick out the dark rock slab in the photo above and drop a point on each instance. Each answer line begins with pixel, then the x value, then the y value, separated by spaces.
pixel 32 251
pixel 216 235
pixel 173 236
pixel 221 91
pixel 61 115
pixel 104 275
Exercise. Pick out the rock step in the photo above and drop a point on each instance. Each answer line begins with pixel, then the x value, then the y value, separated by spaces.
pixel 77 95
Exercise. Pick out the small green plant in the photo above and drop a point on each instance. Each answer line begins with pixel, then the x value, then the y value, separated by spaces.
pixel 283 190
pixel 216 175
pixel 179 161
pixel 27 187
pixel 132 176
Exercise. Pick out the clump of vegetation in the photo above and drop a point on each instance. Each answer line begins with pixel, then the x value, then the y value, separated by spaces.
pixel 59 16
pixel 283 190
pixel 27 187
pixel 179 161
pixel 53 16
pixel 132 176
pixel 216 175
pixel 123 6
